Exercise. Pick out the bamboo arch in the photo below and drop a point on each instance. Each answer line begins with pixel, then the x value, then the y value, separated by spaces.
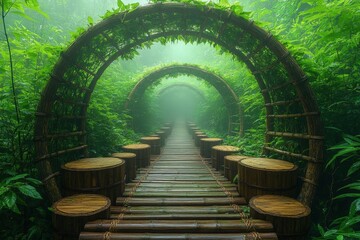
pixel 184 85
pixel 235 114
pixel 291 110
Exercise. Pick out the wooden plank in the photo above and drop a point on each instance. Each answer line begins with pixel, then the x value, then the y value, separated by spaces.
pixel 175 209
pixel 179 201
pixel 179 226
pixel 177 236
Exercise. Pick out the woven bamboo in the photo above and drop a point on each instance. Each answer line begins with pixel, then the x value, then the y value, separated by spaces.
pixel 60 134
pixel 229 96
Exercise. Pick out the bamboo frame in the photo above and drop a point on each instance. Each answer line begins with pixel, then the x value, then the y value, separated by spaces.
pixel 230 98
pixel 200 25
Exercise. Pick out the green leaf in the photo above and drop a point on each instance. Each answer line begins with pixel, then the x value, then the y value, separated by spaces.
pixel 120 5
pixel 340 237
pixel 350 222
pixel 348 195
pixel 354 168
pixel 321 229
pixel 90 20
pixel 15 178
pixel 354 207
pixel 330 232
pixel 29 191
pixel 9 201
pixel 354 185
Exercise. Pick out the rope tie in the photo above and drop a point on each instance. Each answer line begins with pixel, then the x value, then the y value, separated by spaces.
pixel 107 236
pixel 245 219
pixel 133 189
pixel 113 225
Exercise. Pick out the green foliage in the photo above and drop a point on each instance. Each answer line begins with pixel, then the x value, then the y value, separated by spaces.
pixel 344 165
pixel 21 206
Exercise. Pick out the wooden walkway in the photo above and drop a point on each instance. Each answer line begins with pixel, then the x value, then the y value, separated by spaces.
pixel 179 196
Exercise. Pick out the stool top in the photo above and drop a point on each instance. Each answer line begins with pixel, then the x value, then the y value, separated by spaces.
pixel 198 132
pixel 154 135
pixel 136 146
pixel 150 138
pixel 87 164
pixel 235 158
pixel 268 164
pixel 211 139
pixel 226 148
pixel 165 128
pixel 160 132
pixel 123 155
pixel 81 205
pixel 201 135
pixel 279 206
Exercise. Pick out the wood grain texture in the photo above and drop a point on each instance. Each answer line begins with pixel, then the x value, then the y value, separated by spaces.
pixel 291 218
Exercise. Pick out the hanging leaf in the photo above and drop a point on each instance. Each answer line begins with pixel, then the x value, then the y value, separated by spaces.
pixel 29 191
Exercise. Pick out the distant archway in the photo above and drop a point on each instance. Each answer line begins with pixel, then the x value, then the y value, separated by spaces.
pixel 291 109
pixel 235 115
pixel 189 86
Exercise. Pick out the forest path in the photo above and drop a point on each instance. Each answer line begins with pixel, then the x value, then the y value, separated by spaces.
pixel 179 196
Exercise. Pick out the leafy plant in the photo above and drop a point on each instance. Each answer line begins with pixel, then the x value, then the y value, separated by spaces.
pixel 346 165
pixel 21 205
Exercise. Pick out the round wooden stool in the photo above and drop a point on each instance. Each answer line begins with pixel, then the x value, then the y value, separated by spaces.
pixel 142 151
pixel 70 214
pixel 231 166
pixel 206 144
pixel 162 136
pixel 218 153
pixel 197 139
pixel 259 176
pixel 196 133
pixel 291 218
pixel 189 126
pixel 193 130
pixel 130 164
pixel 154 143
pixel 105 176
pixel 169 124
pixel 167 131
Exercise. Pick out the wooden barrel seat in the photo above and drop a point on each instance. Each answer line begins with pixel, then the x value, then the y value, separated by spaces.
pixel 142 151
pixel 196 133
pixel 130 164
pixel 167 131
pixel 154 142
pixel 259 176
pixel 192 130
pixel 231 165
pixel 206 144
pixel 198 137
pixel 70 214
pixel 291 218
pixel 162 136
pixel 218 153
pixel 105 176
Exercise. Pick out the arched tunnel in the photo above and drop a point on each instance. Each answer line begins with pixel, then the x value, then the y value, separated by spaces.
pixel 292 138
